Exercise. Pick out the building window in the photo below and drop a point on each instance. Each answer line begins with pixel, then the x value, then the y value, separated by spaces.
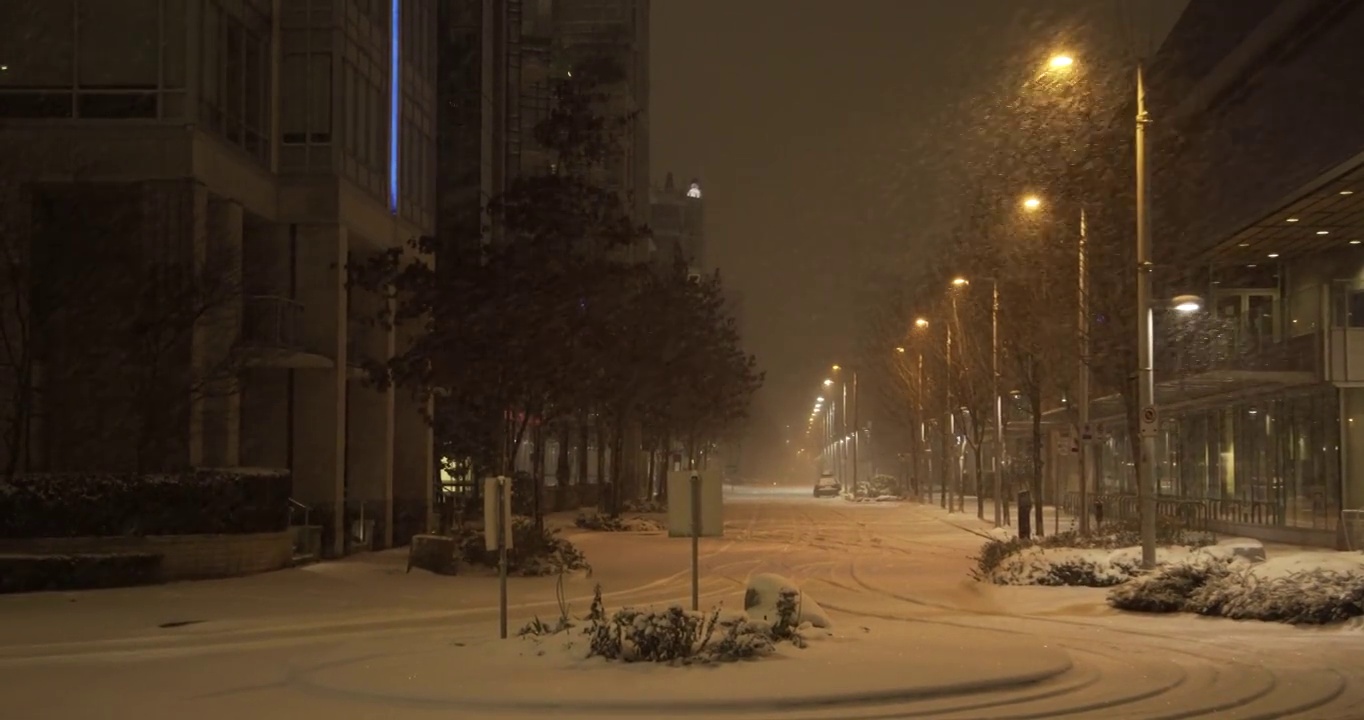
pixel 92 59
pixel 235 79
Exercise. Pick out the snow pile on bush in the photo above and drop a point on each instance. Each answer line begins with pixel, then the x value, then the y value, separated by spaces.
pixel 675 636
pixel 534 552
pixel 1070 558
pixel 645 507
pixel 1061 567
pixel 1307 588
pixel 606 523
pixel 879 486
pixel 767 597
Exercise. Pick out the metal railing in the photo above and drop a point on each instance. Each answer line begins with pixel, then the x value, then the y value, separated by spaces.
pixel 272 321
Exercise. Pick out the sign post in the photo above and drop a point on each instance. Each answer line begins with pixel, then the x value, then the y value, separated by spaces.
pixel 696 541
pixel 497 536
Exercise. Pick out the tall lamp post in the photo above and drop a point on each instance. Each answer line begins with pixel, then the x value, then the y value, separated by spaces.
pixel 998 489
pixel 920 325
pixel 1146 381
pixel 839 369
pixel 1032 203
pixel 1148 419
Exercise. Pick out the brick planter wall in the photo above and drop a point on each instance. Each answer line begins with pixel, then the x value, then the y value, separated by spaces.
pixel 184 557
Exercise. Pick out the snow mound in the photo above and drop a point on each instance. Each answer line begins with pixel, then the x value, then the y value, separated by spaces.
pixel 1235 549
pixel 763 593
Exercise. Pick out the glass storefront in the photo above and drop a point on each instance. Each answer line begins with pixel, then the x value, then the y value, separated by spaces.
pixel 1264 461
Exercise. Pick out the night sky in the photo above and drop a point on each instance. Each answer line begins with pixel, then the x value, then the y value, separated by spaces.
pixel 821 130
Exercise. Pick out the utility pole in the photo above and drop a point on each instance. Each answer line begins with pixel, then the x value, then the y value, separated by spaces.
pixel 1146 384
pixel 1084 432
pixel 999 404
pixel 856 437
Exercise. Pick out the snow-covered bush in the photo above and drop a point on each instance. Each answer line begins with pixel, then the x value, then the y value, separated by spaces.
pixel 879 486
pixel 1066 567
pixel 682 637
pixel 534 551
pixel 606 523
pixel 1233 588
pixel 1169 588
pixel 994 552
pixel 650 506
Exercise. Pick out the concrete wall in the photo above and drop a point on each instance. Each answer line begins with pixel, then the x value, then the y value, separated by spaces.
pixel 184 557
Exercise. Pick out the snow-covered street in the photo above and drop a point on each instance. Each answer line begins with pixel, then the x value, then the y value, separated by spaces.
pixel 362 638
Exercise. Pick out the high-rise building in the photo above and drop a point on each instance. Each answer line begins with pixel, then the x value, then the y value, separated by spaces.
pixel 291 134
pixel 677 220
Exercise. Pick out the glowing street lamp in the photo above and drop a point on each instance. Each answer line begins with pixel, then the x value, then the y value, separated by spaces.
pixel 900 350
pixel 920 323
pixel 960 282
pixel 1032 203
pixel 1060 62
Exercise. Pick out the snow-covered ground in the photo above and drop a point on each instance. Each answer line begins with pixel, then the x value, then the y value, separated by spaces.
pixel 361 638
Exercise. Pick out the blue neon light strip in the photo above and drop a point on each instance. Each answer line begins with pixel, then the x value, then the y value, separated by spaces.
pixel 396 69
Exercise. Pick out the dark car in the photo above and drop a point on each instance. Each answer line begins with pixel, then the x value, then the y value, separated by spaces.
pixel 827 486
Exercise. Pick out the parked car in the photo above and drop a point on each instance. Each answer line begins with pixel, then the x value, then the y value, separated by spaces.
pixel 827 486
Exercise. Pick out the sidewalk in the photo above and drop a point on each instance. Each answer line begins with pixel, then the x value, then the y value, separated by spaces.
pixel 1050 515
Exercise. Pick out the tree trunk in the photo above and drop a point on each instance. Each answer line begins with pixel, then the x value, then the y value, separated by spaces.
pixel 617 454
pixel 666 466
pixel 943 471
pixel 980 482
pixel 562 470
pixel 601 478
pixel 537 475
pixel 1036 401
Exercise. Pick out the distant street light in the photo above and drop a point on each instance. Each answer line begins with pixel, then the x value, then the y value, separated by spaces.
pixel 960 281
pixel 1032 202
pixel 1060 62
pixel 828 382
pixel 900 350
pixel 920 323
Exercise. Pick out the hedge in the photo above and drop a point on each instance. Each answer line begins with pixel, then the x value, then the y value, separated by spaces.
pixel 36 573
pixel 196 502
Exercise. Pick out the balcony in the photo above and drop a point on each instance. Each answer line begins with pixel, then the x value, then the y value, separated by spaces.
pixel 270 321
pixel 272 334
pixel 1213 353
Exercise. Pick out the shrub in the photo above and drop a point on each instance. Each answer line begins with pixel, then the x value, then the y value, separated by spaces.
pixel 36 573
pixel 650 505
pixel 677 636
pixel 109 504
pixel 605 523
pixel 534 551
pixel 1113 536
pixel 1169 588
pixel 1231 589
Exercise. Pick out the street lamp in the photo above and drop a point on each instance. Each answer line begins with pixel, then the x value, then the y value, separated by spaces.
pixel 1187 304
pixel 1032 203
pixel 838 368
pixel 920 323
pixel 1060 62
pixel 994 383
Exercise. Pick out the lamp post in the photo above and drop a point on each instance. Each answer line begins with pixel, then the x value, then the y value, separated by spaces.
pixel 998 489
pixel 1032 203
pixel 853 452
pixel 1146 381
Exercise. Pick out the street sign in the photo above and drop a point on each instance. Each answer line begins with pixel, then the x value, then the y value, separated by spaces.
pixel 495 488
pixel 497 535
pixel 1149 419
